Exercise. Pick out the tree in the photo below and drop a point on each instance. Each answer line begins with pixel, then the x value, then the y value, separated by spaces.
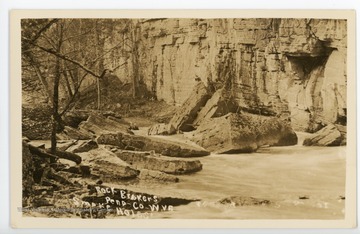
pixel 64 52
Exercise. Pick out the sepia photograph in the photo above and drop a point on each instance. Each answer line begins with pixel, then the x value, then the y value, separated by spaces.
pixel 218 118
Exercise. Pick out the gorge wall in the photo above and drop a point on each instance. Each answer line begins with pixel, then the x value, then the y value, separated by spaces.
pixel 292 68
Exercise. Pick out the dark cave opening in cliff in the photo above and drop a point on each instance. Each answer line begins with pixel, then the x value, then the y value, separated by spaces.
pixel 303 65
pixel 307 72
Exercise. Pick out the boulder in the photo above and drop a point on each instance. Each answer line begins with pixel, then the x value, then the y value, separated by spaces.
pixel 342 130
pixel 133 126
pixel 83 146
pixel 146 174
pixel 218 105
pixel 109 171
pixel 148 143
pixel 242 133
pixel 75 117
pixel 74 133
pixel 327 136
pixel 155 162
pixel 161 129
pixel 108 167
pixel 186 114
pixel 98 124
pixel 64 145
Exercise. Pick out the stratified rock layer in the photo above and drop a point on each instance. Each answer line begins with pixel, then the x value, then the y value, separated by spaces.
pixel 291 67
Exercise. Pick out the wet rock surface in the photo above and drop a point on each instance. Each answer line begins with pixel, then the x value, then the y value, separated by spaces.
pixel 236 133
pixel 158 176
pixel 327 136
pixel 161 129
pixel 109 168
pixel 244 201
pixel 144 143
pixel 81 190
pixel 83 146
pixel 74 133
pixel 288 73
pixel 151 161
pixel 220 104
pixel 186 114
pixel 98 124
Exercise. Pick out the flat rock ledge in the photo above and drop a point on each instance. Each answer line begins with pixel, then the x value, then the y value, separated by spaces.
pixel 147 143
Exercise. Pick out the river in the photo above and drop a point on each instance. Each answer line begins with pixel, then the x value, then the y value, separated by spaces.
pixel 278 174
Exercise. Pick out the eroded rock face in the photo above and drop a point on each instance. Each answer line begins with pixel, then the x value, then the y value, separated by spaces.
pixel 241 133
pixel 328 136
pixel 294 68
pixel 158 145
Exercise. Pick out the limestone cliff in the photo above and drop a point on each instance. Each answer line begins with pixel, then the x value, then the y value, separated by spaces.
pixel 292 68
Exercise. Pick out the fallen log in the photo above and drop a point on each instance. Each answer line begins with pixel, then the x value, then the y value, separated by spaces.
pixel 67 155
pixel 59 154
pixel 41 153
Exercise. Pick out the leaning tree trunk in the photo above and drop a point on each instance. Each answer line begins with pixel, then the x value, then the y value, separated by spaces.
pixel 55 112
pixel 135 59
pixel 55 106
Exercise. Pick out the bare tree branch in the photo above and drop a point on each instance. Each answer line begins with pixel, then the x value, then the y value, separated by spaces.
pixel 51 51
pixel 43 29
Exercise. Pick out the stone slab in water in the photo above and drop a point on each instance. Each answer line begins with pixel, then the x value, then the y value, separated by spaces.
pixel 186 114
pixel 147 143
pixel 327 136
pixel 151 161
pixel 242 133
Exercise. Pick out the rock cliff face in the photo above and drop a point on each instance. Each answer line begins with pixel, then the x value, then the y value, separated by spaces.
pixel 293 68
